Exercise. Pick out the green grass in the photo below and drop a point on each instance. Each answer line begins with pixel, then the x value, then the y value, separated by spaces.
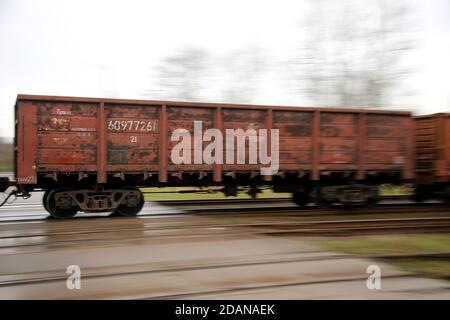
pixel 170 193
pixel 399 244
pixel 393 190
pixel 430 268
pixel 395 244
pixel 6 168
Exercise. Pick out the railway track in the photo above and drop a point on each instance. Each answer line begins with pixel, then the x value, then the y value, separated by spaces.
pixel 254 212
pixel 202 202
pixel 91 235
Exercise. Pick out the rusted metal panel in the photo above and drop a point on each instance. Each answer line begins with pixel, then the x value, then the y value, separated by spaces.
pixel 339 131
pixel 66 134
pixel 327 118
pixel 390 158
pixel 296 157
pixel 132 135
pixel 292 123
pixel 229 115
pixel 188 124
pixel 67 123
pixel 295 144
pixel 249 121
pixel 67 140
pixel 338 138
pixel 67 109
pixel 185 118
pixel 383 145
pixel 338 144
pixel 290 130
pixel 130 156
pixel 341 156
pixel 295 138
pixel 61 156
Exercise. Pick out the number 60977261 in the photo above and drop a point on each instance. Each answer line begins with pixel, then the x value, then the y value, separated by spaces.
pixel 132 125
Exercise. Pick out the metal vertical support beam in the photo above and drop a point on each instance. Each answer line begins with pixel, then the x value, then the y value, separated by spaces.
pixel 315 146
pixel 163 150
pixel 101 144
pixel 269 121
pixel 410 151
pixel 27 127
pixel 447 144
pixel 361 174
pixel 438 146
pixel 218 166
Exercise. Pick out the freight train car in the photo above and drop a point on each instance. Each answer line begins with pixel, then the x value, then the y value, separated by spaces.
pixel 92 154
pixel 432 157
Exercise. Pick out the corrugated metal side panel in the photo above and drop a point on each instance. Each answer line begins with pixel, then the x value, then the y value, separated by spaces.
pixel 338 140
pixel 387 141
pixel 295 134
pixel 132 137
pixel 426 143
pixel 442 152
pixel 66 135
pixel 241 119
pixel 182 118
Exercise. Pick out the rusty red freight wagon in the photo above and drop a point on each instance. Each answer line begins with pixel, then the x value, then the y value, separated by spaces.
pixel 91 154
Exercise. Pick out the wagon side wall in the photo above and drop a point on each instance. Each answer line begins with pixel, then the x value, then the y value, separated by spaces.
pixel 107 137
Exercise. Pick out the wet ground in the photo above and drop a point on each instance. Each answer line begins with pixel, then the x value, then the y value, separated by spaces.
pixel 165 254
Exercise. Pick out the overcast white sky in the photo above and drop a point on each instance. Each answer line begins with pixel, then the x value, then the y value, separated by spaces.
pixel 108 48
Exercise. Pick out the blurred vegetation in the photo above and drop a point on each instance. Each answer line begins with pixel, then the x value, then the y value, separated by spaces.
pixel 400 244
pixel 176 193
pixel 179 193
pixel 396 190
pixel 6 155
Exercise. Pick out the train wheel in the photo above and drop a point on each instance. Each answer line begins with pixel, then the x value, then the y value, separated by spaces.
pixel 374 197
pixel 56 211
pixel 320 200
pixel 44 198
pixel 371 202
pixel 133 206
pixel 301 198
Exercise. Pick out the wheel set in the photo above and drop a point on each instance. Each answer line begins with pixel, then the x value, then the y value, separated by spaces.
pixel 64 203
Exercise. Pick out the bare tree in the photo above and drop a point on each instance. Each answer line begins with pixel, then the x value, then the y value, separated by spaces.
pixel 242 72
pixel 354 51
pixel 181 76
